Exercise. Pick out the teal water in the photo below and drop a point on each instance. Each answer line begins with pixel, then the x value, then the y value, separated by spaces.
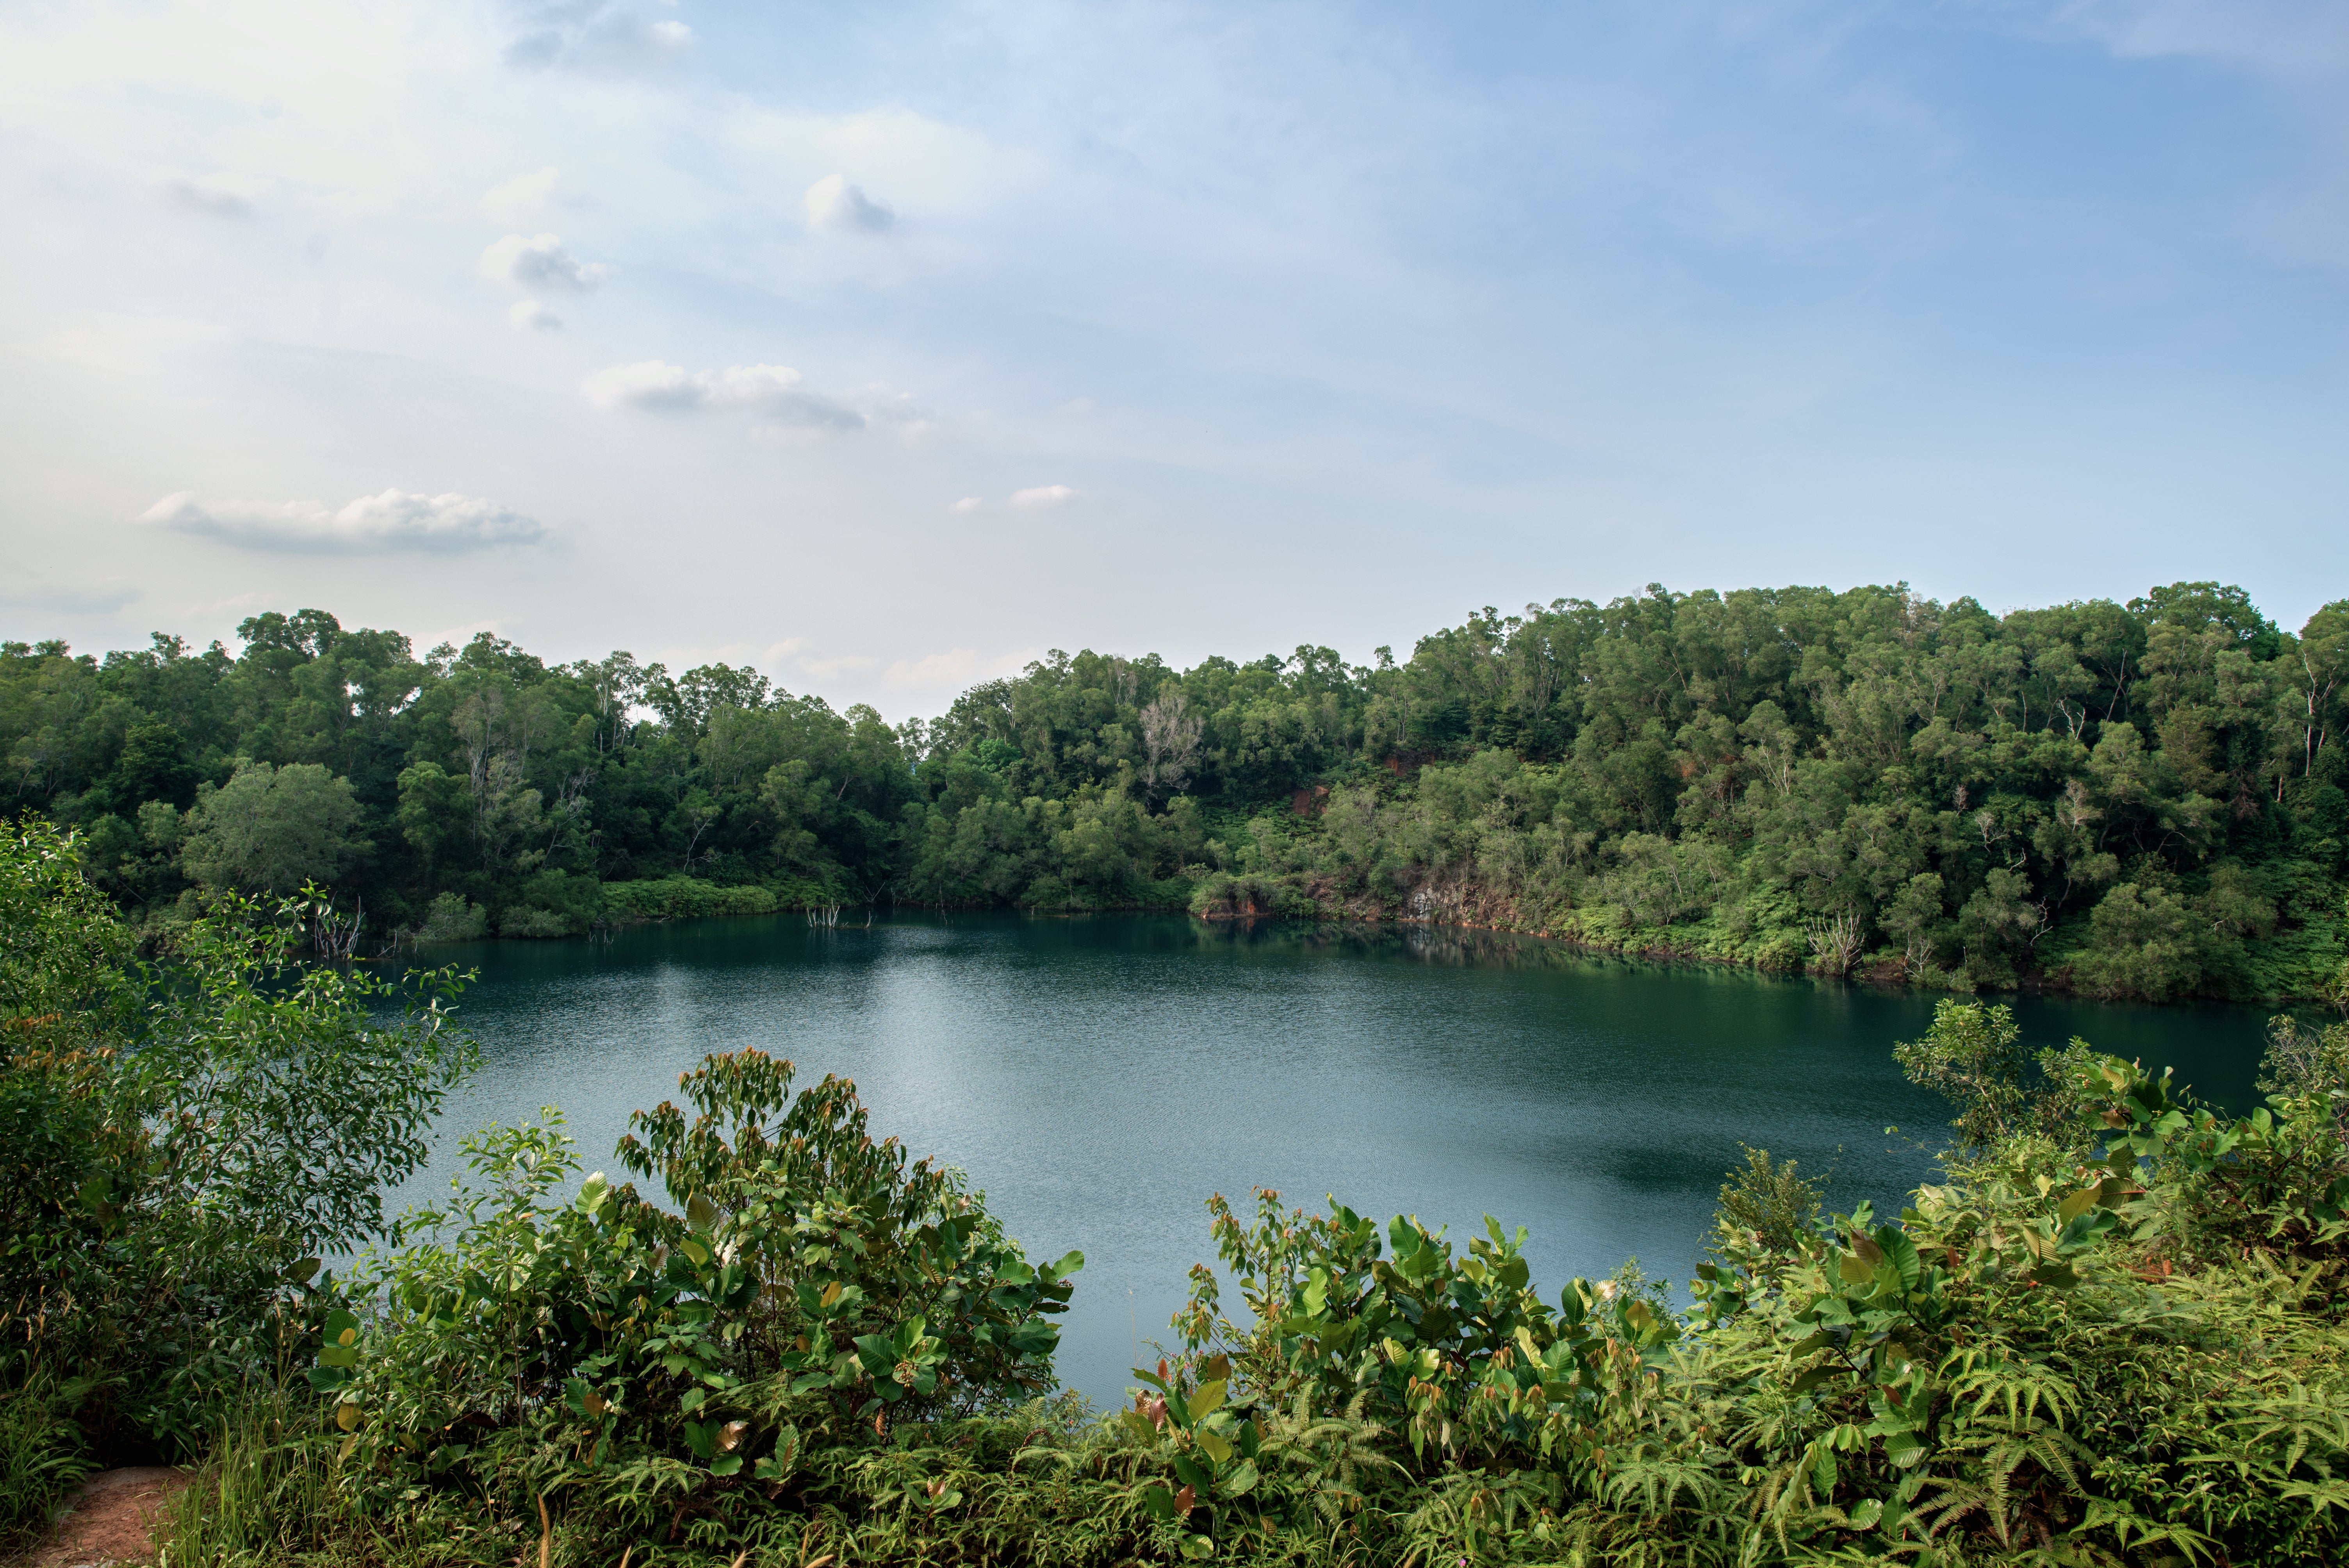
pixel 1099 1077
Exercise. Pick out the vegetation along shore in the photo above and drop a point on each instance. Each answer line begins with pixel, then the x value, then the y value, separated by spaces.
pixel 2110 1331
pixel 2135 801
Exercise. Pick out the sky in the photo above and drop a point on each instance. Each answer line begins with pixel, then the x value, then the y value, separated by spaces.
pixel 886 346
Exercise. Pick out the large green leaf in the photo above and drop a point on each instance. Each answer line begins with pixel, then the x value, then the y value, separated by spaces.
pixel 1902 1252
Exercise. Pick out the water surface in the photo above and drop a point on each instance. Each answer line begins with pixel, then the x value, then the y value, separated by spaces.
pixel 1099 1077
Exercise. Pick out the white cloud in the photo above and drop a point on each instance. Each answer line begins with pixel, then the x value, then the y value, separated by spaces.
pixel 1039 497
pixel 394 521
pixel 595 36
pixel 215 198
pixel 539 261
pixel 833 203
pixel 529 315
pixel 524 196
pixel 771 392
pixel 895 412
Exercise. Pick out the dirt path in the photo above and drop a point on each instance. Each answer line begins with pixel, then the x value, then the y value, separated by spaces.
pixel 112 1520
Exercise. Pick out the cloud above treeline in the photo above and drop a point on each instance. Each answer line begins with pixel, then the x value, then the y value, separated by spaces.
pixel 768 392
pixel 394 521
pixel 539 261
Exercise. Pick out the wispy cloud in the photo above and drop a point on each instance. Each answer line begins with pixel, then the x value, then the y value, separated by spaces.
pixel 609 36
pixel 1036 497
pixel 394 521
pixel 2288 39
pixel 212 197
pixel 539 261
pixel 529 315
pixel 770 393
pixel 833 203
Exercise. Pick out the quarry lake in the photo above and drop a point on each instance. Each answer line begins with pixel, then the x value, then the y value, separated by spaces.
pixel 1098 1077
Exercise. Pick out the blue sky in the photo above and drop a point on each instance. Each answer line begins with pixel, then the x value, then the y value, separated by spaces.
pixel 885 346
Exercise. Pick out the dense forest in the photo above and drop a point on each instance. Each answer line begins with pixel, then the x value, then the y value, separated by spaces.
pixel 2139 799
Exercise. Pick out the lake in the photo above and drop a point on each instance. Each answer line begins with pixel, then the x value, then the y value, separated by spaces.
pixel 1098 1077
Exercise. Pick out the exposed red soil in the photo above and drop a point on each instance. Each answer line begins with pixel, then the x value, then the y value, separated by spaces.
pixel 111 1519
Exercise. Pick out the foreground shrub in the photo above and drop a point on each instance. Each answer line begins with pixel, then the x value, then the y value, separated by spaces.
pixel 184 1144
pixel 816 1289
pixel 2119 1349
pixel 2111 1333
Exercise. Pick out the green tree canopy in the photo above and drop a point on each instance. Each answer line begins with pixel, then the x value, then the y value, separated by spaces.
pixel 273 829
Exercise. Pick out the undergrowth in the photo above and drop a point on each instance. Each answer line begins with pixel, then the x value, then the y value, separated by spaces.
pixel 42 1458
pixel 2114 1331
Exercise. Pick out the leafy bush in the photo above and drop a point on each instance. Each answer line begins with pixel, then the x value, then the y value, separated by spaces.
pixel 522 920
pixel 1973 1058
pixel 679 898
pixel 2146 944
pixel 576 901
pixel 451 918
pixel 1223 896
pixel 2111 1333
pixel 189 1141
pixel 816 1286
pixel 1767 1208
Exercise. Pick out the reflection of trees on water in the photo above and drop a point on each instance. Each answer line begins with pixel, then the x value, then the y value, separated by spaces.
pixel 1449 947
pixel 1460 947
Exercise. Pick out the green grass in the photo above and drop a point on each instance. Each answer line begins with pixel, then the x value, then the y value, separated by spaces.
pixel 42 1459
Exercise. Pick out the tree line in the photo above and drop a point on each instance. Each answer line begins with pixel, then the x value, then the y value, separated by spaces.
pixel 2141 798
